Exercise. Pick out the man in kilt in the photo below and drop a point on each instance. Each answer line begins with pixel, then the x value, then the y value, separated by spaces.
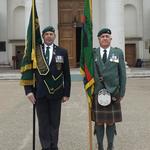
pixel 109 74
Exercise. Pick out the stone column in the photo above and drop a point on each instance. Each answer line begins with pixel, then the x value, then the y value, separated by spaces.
pixel 54 17
pixel 114 20
pixel 97 18
pixel 47 13
pixel 40 11
pixel 39 6
pixel 27 13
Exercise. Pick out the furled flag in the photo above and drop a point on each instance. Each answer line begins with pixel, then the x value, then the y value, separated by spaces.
pixel 86 58
pixel 32 40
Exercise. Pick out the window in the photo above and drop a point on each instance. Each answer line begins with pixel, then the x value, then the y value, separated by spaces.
pixel 2 46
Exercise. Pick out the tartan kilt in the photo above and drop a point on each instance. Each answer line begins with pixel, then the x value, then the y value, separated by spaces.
pixel 106 114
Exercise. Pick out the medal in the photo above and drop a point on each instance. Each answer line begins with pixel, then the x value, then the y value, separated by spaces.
pixel 59 62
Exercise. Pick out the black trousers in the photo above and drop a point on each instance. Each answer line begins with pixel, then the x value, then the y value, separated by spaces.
pixel 48 113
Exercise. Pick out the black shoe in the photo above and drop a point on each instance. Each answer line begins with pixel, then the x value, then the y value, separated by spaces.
pixel 100 147
pixel 110 146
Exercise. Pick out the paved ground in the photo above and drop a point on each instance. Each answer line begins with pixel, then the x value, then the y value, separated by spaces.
pixel 16 118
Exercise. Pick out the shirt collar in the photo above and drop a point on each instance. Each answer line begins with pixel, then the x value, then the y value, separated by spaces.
pixel 50 46
pixel 102 49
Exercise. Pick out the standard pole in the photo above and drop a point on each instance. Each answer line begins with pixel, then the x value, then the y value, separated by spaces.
pixel 33 126
pixel 90 127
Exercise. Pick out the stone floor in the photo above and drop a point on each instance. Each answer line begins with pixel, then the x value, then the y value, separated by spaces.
pixel 16 118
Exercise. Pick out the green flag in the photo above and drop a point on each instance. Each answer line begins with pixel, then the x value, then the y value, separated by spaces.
pixel 32 40
pixel 86 58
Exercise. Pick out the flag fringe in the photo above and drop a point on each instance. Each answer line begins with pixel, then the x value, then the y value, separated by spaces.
pixel 27 82
pixel 26 67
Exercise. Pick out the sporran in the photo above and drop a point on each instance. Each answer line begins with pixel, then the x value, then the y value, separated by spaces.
pixel 104 97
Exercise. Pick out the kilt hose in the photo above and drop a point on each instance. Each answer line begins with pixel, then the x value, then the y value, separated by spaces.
pixel 106 114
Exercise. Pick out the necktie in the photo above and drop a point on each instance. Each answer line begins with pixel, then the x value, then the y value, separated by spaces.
pixel 105 56
pixel 47 55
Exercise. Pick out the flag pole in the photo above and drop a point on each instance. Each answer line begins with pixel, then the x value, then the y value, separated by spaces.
pixel 33 49
pixel 90 127
pixel 33 126
pixel 89 106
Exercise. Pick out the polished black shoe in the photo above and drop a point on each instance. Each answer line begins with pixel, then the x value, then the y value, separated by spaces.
pixel 100 147
pixel 110 146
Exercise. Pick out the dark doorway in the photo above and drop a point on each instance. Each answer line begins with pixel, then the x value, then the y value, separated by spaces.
pixel 78 45
pixel 19 55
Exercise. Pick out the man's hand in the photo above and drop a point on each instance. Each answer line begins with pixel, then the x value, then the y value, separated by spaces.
pixel 119 99
pixel 31 97
pixel 64 99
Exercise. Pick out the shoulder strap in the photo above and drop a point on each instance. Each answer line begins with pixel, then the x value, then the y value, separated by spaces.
pixel 99 73
pixel 97 68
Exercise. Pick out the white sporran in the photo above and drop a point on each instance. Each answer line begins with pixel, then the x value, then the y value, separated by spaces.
pixel 104 97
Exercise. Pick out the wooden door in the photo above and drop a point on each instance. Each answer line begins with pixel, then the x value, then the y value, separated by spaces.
pixel 69 15
pixel 130 54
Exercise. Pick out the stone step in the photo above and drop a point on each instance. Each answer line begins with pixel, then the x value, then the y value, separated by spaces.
pixel 146 63
pixel 11 74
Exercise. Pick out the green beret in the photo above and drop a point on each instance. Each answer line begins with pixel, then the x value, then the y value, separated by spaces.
pixel 47 29
pixel 104 30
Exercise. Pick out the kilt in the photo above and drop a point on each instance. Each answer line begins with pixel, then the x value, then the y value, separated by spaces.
pixel 106 114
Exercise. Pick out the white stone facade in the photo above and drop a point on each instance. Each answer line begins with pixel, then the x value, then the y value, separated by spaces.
pixel 128 19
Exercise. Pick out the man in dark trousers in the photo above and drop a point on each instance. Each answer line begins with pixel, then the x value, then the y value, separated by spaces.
pixel 52 87
pixel 110 82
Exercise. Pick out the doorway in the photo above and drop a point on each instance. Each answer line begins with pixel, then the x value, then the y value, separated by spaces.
pixel 69 26
pixel 130 54
pixel 19 56
pixel 78 45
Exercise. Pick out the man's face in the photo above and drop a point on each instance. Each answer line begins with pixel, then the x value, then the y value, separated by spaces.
pixel 105 40
pixel 49 37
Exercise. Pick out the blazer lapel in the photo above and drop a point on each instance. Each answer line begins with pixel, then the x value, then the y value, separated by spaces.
pixel 110 53
pixel 109 56
pixel 100 63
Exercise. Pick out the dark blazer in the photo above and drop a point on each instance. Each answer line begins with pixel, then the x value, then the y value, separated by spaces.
pixel 59 73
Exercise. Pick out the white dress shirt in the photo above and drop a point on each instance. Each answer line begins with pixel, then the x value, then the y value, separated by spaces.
pixel 102 51
pixel 50 51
